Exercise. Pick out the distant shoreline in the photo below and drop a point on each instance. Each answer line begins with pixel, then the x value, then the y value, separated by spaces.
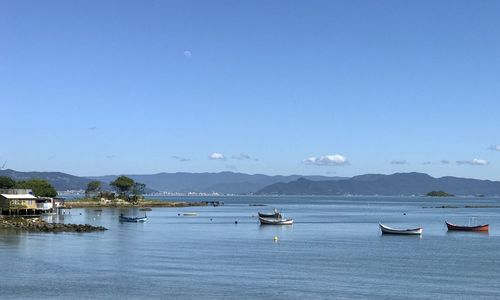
pixel 145 203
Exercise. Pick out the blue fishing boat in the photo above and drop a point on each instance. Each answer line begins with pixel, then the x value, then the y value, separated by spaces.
pixel 133 219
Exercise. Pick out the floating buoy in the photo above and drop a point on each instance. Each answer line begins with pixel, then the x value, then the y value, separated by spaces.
pixel 404 214
pixel 235 222
pixel 275 238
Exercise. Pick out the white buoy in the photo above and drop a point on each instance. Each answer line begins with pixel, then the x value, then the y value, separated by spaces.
pixel 275 238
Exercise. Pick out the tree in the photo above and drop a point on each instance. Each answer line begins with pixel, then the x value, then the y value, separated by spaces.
pixel 40 187
pixel 439 194
pixel 7 182
pixel 137 191
pixel 93 188
pixel 123 185
pixel 138 188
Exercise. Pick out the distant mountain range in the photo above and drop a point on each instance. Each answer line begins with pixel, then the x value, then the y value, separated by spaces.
pixel 60 181
pixel 223 182
pixel 240 183
pixel 377 184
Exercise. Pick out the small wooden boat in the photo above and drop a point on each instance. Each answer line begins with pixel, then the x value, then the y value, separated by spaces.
pixel 49 214
pixel 274 221
pixel 275 214
pixel 190 214
pixel 389 230
pixel 133 219
pixel 484 227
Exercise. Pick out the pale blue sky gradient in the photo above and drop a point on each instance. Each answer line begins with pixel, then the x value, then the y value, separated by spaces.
pixel 107 87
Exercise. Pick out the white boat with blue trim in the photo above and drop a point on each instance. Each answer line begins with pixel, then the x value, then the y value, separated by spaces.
pixel 275 221
pixel 412 231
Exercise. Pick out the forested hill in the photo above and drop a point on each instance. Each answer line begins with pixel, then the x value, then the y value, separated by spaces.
pixel 378 184
pixel 60 181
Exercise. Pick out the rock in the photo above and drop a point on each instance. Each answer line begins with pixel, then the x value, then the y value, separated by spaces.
pixel 38 225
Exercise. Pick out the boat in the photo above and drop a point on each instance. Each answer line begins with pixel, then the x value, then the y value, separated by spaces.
pixel 275 221
pixel 190 214
pixel 49 214
pixel 389 230
pixel 454 227
pixel 133 219
pixel 275 214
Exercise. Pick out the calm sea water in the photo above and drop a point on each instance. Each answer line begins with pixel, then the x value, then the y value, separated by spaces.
pixel 333 251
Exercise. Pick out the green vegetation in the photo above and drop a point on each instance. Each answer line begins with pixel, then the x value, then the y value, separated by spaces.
pixel 93 188
pixel 122 184
pixel 106 195
pixel 40 187
pixel 7 182
pixel 439 194
pixel 128 188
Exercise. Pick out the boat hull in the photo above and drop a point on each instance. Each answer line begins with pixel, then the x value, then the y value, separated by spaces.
pixel 133 220
pixel 267 221
pixel 454 227
pixel 190 214
pixel 389 230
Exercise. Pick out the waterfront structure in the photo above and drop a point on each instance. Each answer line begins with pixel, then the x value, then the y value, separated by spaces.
pixel 22 202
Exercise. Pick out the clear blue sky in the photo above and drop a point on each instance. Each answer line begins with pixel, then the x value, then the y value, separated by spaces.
pixel 274 87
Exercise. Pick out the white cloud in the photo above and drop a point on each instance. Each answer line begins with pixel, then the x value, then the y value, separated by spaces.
pixel 216 156
pixel 495 147
pixel 398 162
pixel 187 54
pixel 444 162
pixel 474 162
pixel 326 160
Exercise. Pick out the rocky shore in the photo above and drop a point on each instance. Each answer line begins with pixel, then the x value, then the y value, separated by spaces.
pixel 38 225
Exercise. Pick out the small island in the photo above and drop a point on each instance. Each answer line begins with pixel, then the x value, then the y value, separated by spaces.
pixel 127 193
pixel 439 194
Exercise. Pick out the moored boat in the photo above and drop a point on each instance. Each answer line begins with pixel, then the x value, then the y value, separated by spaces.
pixel 411 231
pixel 454 227
pixel 274 221
pixel 190 214
pixel 122 218
pixel 275 214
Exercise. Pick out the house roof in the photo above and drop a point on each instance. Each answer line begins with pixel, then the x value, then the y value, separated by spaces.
pixel 19 196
